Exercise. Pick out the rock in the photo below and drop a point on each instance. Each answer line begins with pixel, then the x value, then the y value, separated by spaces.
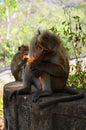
pixel 22 114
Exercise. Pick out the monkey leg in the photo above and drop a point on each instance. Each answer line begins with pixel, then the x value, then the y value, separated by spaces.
pixel 46 88
pixel 76 95
pixel 46 83
pixel 38 94
pixel 36 82
pixel 27 81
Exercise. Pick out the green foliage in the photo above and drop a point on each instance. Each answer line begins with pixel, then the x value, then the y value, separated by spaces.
pixel 2 11
pixel 12 4
pixel 77 80
pixel 20 19
pixel 73 30
pixel 6 5
pixel 75 40
pixel 7 50
pixel 72 33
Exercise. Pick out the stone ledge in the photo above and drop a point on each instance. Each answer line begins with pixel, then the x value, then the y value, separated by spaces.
pixel 22 114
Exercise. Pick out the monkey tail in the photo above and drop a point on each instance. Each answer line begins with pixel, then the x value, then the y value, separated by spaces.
pixel 62 99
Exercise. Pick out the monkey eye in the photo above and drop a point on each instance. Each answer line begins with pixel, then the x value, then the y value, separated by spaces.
pixel 46 51
pixel 40 47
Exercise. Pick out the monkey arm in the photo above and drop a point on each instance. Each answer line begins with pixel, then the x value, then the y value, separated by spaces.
pixel 18 67
pixel 53 69
pixel 27 81
pixel 56 70
pixel 16 70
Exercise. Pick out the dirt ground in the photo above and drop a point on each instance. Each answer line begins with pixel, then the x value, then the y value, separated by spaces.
pixel 1 123
pixel 5 77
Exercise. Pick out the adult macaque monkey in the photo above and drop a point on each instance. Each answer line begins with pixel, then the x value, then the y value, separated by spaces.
pixel 18 62
pixel 52 65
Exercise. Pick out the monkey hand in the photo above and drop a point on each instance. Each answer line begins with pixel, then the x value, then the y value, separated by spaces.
pixel 24 60
pixel 35 70
pixel 35 96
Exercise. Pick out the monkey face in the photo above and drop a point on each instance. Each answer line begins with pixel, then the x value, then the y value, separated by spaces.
pixel 41 50
pixel 24 50
pixel 48 41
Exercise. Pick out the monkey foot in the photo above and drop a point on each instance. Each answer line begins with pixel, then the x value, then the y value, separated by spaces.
pixel 35 96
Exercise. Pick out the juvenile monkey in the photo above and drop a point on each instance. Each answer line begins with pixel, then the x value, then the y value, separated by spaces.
pixel 52 65
pixel 18 62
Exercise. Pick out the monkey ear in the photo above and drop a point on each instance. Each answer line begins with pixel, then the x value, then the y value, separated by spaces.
pixel 39 31
pixel 38 34
pixel 19 48
pixel 22 46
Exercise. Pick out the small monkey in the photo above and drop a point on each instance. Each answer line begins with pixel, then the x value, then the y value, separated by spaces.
pixel 18 62
pixel 52 65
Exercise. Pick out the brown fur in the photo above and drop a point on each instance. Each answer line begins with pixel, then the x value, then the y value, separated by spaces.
pixel 57 65
pixel 52 65
pixel 17 62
